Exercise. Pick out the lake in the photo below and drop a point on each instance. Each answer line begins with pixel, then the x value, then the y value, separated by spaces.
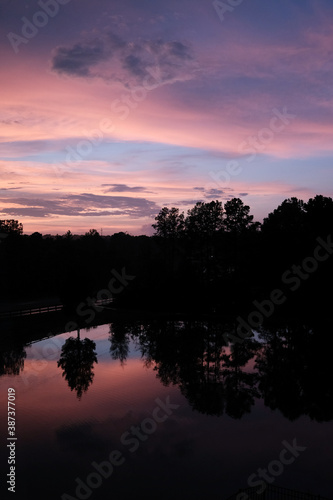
pixel 167 409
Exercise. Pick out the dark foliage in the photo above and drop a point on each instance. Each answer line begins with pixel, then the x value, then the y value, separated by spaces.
pixel 215 260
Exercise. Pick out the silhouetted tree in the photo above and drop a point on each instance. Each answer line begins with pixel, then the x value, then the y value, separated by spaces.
pixel 237 218
pixel 319 215
pixel 205 219
pixel 289 217
pixel 169 223
pixel 92 233
pixel 11 226
pixel 68 235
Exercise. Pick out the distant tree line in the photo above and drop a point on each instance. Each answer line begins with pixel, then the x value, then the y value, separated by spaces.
pixel 214 259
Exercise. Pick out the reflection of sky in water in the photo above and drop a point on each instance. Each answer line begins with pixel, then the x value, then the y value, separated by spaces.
pixel 99 335
pixel 190 455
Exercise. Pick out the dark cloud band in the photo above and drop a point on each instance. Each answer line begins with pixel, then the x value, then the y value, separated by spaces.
pixel 81 205
pixel 127 62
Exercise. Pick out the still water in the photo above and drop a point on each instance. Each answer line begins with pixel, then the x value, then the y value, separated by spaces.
pixel 168 410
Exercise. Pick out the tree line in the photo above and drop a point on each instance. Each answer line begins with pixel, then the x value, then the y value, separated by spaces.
pixel 216 258
pixel 207 219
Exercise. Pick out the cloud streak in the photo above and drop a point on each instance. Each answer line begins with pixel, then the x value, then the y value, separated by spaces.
pixel 79 205
pixel 123 188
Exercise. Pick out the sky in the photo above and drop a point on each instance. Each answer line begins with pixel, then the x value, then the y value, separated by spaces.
pixel 111 110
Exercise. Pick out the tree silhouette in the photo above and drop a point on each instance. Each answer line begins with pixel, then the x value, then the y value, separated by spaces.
pixel 289 217
pixel 77 361
pixel 319 215
pixel 237 217
pixel 169 223
pixel 10 226
pixel 205 219
pixel 68 235
pixel 92 233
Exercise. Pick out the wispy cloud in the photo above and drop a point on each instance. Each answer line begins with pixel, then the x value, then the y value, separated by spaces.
pixel 224 193
pixel 123 188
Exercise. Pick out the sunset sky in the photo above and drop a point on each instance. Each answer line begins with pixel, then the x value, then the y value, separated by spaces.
pixel 111 110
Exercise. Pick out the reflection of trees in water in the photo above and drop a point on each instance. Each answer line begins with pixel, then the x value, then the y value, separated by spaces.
pixel 220 385
pixel 194 356
pixel 214 382
pixel 240 386
pixel 290 372
pixel 77 362
pixel 12 359
pixel 120 339
pixel 295 374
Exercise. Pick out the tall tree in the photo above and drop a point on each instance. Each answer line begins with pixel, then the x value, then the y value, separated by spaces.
pixel 319 214
pixel 289 217
pixel 205 219
pixel 169 223
pixel 237 217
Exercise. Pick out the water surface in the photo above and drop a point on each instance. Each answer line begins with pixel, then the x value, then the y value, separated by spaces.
pixel 82 395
